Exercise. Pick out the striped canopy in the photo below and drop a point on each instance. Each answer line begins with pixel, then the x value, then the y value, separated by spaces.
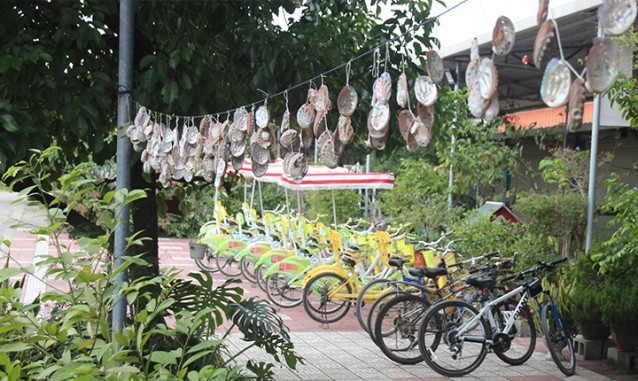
pixel 320 177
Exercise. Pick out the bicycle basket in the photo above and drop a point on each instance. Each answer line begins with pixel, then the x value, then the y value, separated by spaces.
pixel 535 286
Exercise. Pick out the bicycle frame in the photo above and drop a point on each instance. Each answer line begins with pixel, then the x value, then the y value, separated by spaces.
pixel 487 308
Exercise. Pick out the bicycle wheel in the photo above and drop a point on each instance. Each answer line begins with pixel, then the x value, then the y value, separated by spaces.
pixel 247 266
pixel 321 298
pixel 396 328
pixel 259 276
pixel 208 262
pixel 376 307
pixel 282 292
pixel 228 265
pixel 558 339
pixel 444 349
pixel 371 291
pixel 518 346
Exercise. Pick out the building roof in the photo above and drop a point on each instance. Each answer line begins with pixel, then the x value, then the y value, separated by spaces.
pixel 519 84
pixel 545 117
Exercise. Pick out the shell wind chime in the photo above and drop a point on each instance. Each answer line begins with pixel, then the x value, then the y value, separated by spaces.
pixel 601 65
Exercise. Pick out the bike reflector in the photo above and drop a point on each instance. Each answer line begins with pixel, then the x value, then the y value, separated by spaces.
pixel 235 244
pixel 290 267
pixel 258 250
pixel 277 258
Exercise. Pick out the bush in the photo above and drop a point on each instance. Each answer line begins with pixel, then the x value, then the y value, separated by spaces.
pixel 347 205
pixel 483 235
pixel 419 197
pixel 66 333
pixel 557 221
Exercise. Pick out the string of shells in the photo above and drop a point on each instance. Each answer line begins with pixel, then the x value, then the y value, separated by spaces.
pixel 481 75
pixel 601 65
pixel 326 140
pixel 171 155
pixel 379 116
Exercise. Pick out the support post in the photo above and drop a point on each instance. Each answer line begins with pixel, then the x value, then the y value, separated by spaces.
pixel 123 156
pixel 450 183
pixel 366 210
pixel 593 164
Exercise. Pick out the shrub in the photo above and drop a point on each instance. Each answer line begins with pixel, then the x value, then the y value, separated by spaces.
pixel 66 332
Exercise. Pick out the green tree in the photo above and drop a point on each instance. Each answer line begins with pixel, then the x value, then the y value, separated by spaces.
pixel 59 69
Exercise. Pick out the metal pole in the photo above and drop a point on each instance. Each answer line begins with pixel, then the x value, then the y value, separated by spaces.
pixel 453 142
pixel 366 210
pixel 123 158
pixel 334 208
pixel 593 164
pixel 252 195
pixel 261 200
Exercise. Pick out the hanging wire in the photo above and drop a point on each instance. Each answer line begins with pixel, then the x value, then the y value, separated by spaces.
pixel 562 55
pixel 348 67
pixel 387 56
pixel 325 73
pixel 376 58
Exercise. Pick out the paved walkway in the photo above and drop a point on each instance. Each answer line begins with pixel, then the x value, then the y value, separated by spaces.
pixel 341 351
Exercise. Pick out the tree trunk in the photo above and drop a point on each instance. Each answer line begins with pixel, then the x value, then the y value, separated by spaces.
pixel 144 216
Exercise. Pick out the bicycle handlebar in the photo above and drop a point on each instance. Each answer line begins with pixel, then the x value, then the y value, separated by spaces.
pixel 540 266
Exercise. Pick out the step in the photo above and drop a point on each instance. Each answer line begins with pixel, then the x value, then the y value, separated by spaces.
pixel 626 361
pixel 591 349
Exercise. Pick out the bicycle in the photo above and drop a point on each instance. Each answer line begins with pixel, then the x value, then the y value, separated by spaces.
pixel 329 290
pixel 397 322
pixel 455 337
pixel 381 288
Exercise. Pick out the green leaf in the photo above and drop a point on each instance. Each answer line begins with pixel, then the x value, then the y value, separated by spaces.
pixel 126 369
pixel 205 345
pixel 15 347
pixel 147 60
pixel 174 59
pixel 185 80
pixel 162 357
pixel 173 93
pixel 9 123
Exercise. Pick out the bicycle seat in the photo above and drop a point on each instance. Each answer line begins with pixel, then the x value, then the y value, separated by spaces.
pixel 481 283
pixel 350 260
pixel 397 262
pixel 428 272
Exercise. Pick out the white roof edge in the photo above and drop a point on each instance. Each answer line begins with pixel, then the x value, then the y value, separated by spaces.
pixel 525 24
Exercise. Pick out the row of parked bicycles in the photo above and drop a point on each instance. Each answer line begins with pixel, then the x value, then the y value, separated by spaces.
pixel 418 300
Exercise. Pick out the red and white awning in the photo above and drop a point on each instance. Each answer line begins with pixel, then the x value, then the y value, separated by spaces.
pixel 319 179
pixel 272 175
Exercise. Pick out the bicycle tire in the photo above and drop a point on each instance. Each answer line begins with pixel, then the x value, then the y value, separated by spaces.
pixel 439 344
pixel 259 276
pixel 281 293
pixel 247 266
pixel 228 265
pixel 362 309
pixel 208 262
pixel 558 340
pixel 396 328
pixel 376 307
pixel 520 347
pixel 319 304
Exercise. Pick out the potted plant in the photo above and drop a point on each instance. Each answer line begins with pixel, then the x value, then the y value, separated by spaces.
pixel 585 305
pixel 617 260
pixel 619 308
pixel 585 300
